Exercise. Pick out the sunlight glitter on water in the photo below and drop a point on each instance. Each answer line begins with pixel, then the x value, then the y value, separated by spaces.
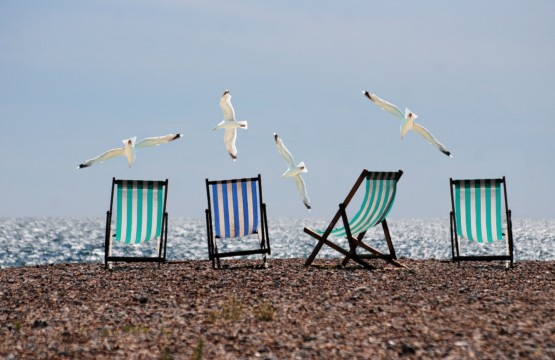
pixel 32 241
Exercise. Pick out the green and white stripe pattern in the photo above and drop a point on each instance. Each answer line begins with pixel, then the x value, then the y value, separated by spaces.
pixel 140 207
pixel 381 188
pixel 478 209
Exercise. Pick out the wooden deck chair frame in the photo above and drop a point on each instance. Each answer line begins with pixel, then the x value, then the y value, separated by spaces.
pixel 457 233
pixel 163 232
pixel 355 240
pixel 214 254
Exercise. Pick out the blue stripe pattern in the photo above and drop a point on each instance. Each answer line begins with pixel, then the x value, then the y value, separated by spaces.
pixel 235 206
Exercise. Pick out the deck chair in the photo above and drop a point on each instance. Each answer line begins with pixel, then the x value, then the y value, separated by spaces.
pixel 476 215
pixel 376 204
pixel 236 210
pixel 140 216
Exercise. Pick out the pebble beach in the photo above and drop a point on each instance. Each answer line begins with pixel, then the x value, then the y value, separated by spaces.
pixel 432 309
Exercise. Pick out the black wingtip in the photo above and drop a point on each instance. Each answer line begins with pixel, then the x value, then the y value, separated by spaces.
pixel 81 166
pixel 448 153
pixel 367 94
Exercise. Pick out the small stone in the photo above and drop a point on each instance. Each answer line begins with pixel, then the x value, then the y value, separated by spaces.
pixel 39 324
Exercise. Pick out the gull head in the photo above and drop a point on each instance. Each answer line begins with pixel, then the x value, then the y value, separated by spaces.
pixel 410 115
pixel 294 171
pixel 302 167
pixel 129 142
pixel 231 124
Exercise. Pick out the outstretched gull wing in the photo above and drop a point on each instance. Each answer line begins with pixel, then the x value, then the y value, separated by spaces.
pixel 431 139
pixel 284 152
pixel 157 140
pixel 227 108
pixel 385 105
pixel 301 187
pixel 103 157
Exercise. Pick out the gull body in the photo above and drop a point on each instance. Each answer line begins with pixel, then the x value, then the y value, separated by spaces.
pixel 129 149
pixel 294 171
pixel 229 124
pixel 408 122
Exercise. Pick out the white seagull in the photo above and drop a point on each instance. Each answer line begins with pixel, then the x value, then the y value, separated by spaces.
pixel 408 121
pixel 229 124
pixel 129 149
pixel 293 170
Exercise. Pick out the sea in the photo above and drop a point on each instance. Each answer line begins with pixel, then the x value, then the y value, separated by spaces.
pixel 43 241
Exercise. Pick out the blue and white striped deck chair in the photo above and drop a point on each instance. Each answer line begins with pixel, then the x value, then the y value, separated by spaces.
pixel 378 199
pixel 477 215
pixel 236 210
pixel 138 210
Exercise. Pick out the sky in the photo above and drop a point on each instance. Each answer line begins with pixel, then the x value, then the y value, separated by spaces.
pixel 78 77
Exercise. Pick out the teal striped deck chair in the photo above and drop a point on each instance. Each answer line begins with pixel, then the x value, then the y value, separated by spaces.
pixel 137 215
pixel 477 213
pixel 380 190
pixel 235 213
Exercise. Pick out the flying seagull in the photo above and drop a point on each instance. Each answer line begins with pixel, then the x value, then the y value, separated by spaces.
pixel 229 124
pixel 293 170
pixel 129 148
pixel 408 121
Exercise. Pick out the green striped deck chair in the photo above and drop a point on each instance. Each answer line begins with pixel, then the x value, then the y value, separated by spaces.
pixel 137 215
pixel 477 215
pixel 378 199
pixel 236 212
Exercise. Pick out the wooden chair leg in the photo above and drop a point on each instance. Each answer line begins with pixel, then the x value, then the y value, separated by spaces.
pixel 378 253
pixel 316 249
pixel 322 241
pixel 388 240
pixel 353 246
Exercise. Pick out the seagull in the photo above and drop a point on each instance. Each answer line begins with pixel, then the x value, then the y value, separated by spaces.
pixel 229 124
pixel 129 149
pixel 408 121
pixel 293 170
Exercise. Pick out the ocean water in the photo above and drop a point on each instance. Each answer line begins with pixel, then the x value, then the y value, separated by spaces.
pixel 33 241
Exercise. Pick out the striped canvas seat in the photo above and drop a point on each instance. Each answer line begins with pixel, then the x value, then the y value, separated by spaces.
pixel 477 215
pixel 140 207
pixel 236 210
pixel 478 209
pixel 138 211
pixel 235 207
pixel 380 190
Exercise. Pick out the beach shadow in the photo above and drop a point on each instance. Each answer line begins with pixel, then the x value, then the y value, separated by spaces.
pixel 228 267
pixel 485 266
pixel 131 267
